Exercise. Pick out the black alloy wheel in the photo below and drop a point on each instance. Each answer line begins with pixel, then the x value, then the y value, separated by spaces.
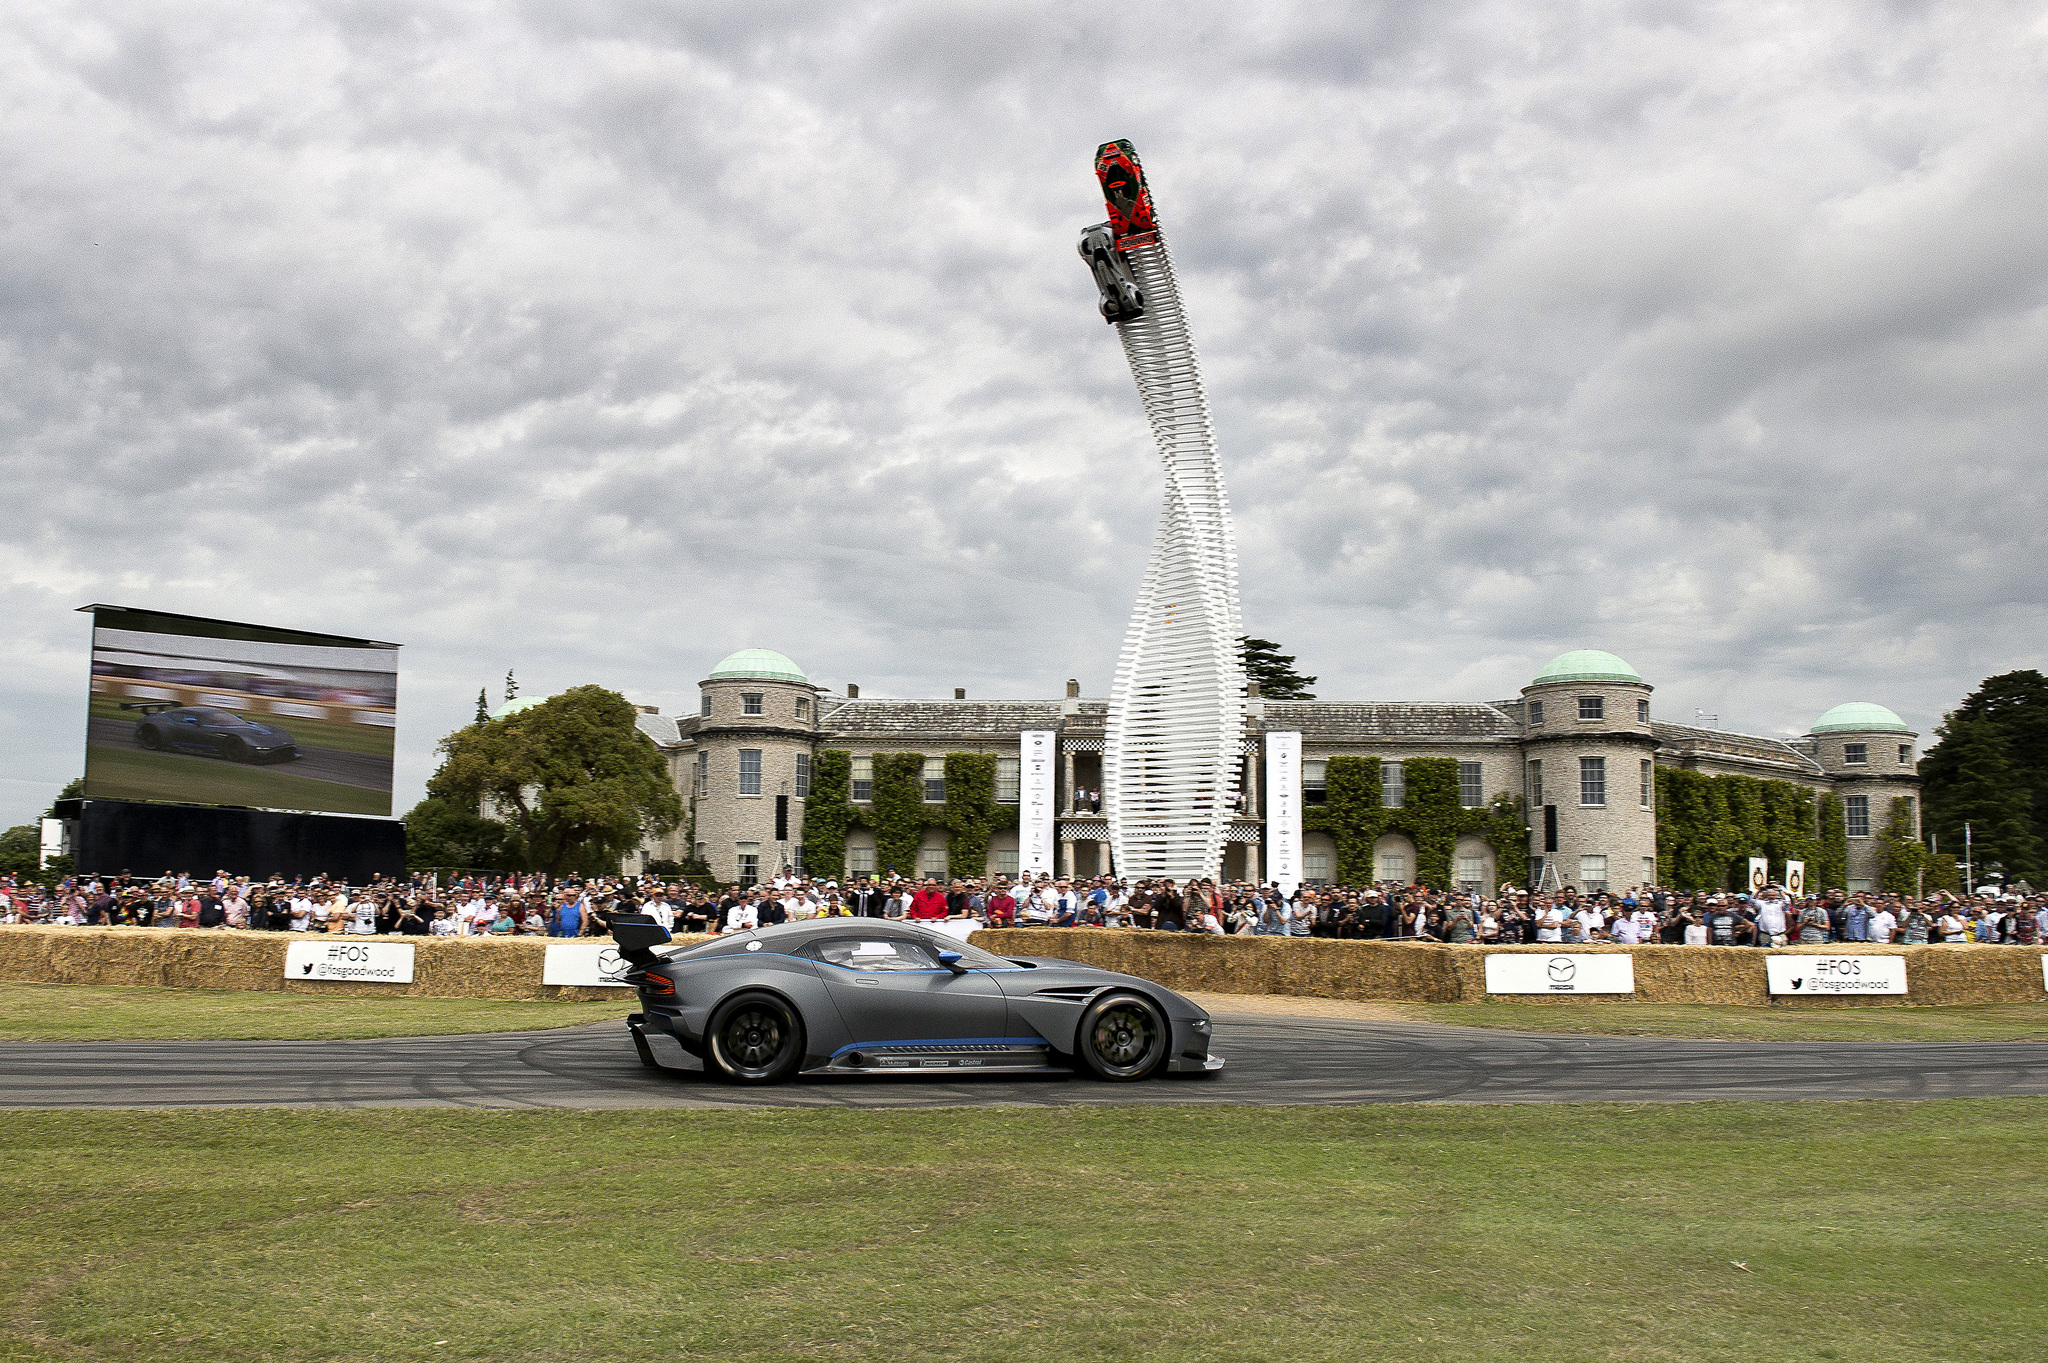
pixel 236 750
pixel 755 1039
pixel 148 737
pixel 1123 1037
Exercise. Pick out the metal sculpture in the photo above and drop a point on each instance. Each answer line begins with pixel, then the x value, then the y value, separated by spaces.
pixel 1172 752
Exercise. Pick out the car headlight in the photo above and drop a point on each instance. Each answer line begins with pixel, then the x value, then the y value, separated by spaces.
pixel 1202 1025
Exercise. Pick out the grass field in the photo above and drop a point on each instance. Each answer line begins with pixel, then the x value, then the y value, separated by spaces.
pixel 1953 1022
pixel 1747 1233
pixel 141 775
pixel 80 1012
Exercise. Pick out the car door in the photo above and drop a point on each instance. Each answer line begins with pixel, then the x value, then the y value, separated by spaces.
pixel 186 731
pixel 892 989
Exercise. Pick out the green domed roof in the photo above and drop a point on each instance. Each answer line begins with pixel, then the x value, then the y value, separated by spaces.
pixel 513 707
pixel 1860 716
pixel 1587 665
pixel 759 664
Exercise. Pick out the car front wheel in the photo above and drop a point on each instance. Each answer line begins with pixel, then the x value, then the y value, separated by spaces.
pixel 755 1039
pixel 1123 1037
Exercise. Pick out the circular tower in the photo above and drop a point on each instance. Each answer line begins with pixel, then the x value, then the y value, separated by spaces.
pixel 1590 777
pixel 1872 759
pixel 756 727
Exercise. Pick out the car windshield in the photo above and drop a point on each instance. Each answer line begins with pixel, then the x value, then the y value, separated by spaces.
pixel 226 719
pixel 973 957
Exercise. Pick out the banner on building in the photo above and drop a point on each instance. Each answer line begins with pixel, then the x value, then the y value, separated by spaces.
pixel 1283 810
pixel 588 965
pixel 1536 973
pixel 1795 878
pixel 1036 807
pixel 1759 873
pixel 337 959
pixel 1836 974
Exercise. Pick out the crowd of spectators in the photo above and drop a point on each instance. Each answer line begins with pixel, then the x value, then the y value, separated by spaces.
pixel 534 905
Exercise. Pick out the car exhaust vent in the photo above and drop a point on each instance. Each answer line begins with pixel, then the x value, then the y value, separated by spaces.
pixel 1073 993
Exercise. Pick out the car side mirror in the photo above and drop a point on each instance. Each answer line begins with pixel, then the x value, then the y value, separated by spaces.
pixel 951 960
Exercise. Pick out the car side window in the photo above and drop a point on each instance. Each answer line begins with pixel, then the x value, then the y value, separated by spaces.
pixel 874 955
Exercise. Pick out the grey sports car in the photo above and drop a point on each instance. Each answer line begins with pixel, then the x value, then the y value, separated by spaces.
pixel 1122 299
pixel 878 996
pixel 203 728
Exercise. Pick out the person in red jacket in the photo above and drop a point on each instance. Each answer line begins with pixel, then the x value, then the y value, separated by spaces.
pixel 928 902
pixel 1002 908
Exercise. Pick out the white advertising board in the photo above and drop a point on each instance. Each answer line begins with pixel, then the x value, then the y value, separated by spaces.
pixel 1759 873
pixel 1539 973
pixel 1836 974
pixel 335 958
pixel 584 964
pixel 1038 762
pixel 1283 810
pixel 1795 878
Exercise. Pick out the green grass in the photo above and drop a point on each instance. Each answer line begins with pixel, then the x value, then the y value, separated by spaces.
pixel 81 1012
pixel 375 739
pixel 1876 1232
pixel 1951 1022
pixel 136 774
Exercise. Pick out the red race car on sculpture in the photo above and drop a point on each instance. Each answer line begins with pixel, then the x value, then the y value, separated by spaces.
pixel 1123 189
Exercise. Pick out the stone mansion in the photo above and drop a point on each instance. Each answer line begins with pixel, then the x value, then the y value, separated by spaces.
pixel 1579 745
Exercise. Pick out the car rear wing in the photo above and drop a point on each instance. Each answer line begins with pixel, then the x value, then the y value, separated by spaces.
pixel 149 707
pixel 638 935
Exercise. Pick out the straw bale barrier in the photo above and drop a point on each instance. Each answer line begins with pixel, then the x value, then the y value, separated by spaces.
pixel 1428 972
pixel 443 967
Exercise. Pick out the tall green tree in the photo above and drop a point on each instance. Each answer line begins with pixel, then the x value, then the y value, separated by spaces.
pixel 1273 670
pixel 2015 704
pixel 21 850
pixel 573 776
pixel 1971 778
pixel 440 832
pixel 483 708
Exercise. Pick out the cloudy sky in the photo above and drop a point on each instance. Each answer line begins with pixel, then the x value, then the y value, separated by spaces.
pixel 598 340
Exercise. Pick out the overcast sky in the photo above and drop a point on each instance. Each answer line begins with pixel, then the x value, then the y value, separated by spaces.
pixel 598 340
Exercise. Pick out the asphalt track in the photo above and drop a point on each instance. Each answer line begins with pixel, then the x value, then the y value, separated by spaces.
pixel 1272 1061
pixel 315 764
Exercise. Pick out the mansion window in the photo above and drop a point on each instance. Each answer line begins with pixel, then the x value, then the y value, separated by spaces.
pixel 750 702
pixel 1855 754
pixel 860 861
pixel 1642 712
pixel 931 861
pixel 1393 787
pixel 1315 868
pixel 1593 873
pixel 803 776
pixel 1006 864
pixel 1315 783
pixel 1649 781
pixel 1592 707
pixel 863 780
pixel 1535 712
pixel 703 773
pixel 704 705
pixel 1471 785
pixel 1592 780
pixel 1856 814
pixel 1007 769
pixel 1536 784
pixel 1905 754
pixel 1471 871
pixel 750 771
pixel 803 707
pixel 749 862
pixel 935 780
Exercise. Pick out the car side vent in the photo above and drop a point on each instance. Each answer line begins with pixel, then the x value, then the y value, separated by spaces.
pixel 1073 993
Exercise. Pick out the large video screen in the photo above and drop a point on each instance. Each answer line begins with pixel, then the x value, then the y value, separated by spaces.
pixel 219 713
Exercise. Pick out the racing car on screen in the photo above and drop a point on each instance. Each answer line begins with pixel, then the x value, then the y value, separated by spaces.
pixel 206 729
pixel 1122 300
pixel 877 996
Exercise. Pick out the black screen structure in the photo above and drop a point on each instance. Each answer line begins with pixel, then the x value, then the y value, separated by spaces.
pixel 115 837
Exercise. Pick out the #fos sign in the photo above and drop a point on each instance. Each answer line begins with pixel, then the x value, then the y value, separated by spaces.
pixel 1836 974
pixel 328 959
pixel 1535 973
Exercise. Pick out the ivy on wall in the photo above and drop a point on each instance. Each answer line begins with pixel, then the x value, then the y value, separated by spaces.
pixel 1905 864
pixel 1431 817
pixel 1832 867
pixel 1708 827
pixel 899 815
pixel 828 813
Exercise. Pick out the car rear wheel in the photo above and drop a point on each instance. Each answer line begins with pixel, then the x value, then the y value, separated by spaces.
pixel 149 738
pixel 755 1039
pixel 1123 1037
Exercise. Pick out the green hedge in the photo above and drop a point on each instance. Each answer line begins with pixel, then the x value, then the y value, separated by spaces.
pixel 1431 817
pixel 1709 826
pixel 899 815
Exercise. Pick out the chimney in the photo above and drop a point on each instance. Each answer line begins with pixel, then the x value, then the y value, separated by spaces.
pixel 648 709
pixel 1251 688
pixel 959 693
pixel 852 691
pixel 1073 689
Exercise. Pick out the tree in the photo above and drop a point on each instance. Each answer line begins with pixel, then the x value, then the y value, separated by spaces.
pixel 483 707
pixel 1970 778
pixel 511 685
pixel 1273 670
pixel 440 832
pixel 573 776
pixel 21 850
pixel 2015 704
pixel 73 789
